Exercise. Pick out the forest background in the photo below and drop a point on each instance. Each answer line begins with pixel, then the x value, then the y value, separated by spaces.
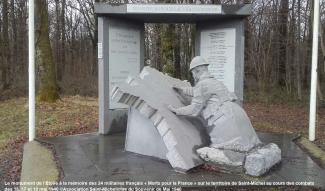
pixel 277 47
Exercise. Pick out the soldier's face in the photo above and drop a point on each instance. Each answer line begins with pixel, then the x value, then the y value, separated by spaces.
pixel 198 71
pixel 195 74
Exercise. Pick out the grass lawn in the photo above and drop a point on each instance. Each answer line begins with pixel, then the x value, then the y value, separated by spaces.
pixel 68 116
pixel 76 114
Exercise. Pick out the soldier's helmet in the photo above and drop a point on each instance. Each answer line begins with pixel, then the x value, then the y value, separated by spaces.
pixel 198 61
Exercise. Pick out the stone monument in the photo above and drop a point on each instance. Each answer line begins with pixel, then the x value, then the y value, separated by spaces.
pixel 219 38
pixel 208 123
pixel 152 129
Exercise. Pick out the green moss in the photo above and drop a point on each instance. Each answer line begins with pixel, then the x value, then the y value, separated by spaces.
pixel 315 151
pixel 48 95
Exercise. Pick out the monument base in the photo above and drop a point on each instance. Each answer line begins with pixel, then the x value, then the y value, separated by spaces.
pixel 102 158
pixel 116 122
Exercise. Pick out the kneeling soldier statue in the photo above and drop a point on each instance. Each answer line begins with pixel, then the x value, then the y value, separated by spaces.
pixel 233 138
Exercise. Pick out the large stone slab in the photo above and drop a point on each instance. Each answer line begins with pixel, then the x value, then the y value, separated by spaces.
pixel 142 137
pixel 262 159
pixel 220 156
pixel 150 94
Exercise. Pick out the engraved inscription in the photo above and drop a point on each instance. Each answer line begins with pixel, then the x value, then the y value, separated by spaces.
pixel 124 56
pixel 218 47
pixel 192 9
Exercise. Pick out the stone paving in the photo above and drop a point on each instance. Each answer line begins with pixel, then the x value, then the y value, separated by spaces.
pixel 92 157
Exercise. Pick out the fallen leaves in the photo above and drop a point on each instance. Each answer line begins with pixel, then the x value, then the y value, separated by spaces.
pixel 68 116
pixel 280 118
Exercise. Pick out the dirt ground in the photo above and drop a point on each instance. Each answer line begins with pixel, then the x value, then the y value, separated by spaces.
pixel 76 114
pixel 280 118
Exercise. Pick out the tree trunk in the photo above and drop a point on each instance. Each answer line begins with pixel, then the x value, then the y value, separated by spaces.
pixel 167 45
pixel 14 53
pixel 298 62
pixel 158 52
pixel 57 41
pixel 60 39
pixel 5 67
pixel 177 62
pixel 1 49
pixel 290 49
pixel 309 45
pixel 95 64
pixel 48 89
pixel 22 38
pixel 275 68
pixel 322 45
pixel 283 31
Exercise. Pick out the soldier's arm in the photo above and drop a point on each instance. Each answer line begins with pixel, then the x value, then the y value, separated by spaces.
pixel 200 97
pixel 185 93
pixel 193 109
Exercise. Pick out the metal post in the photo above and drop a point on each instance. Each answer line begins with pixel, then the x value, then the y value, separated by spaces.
pixel 31 70
pixel 313 86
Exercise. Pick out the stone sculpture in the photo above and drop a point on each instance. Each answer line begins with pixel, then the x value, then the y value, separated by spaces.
pixel 161 133
pixel 233 138
pixel 208 124
pixel 227 123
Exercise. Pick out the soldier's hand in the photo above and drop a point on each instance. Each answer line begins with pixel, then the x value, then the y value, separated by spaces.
pixel 176 88
pixel 172 109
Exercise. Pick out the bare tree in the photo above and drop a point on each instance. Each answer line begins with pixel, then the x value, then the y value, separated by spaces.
pixel 283 40
pixel 298 51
